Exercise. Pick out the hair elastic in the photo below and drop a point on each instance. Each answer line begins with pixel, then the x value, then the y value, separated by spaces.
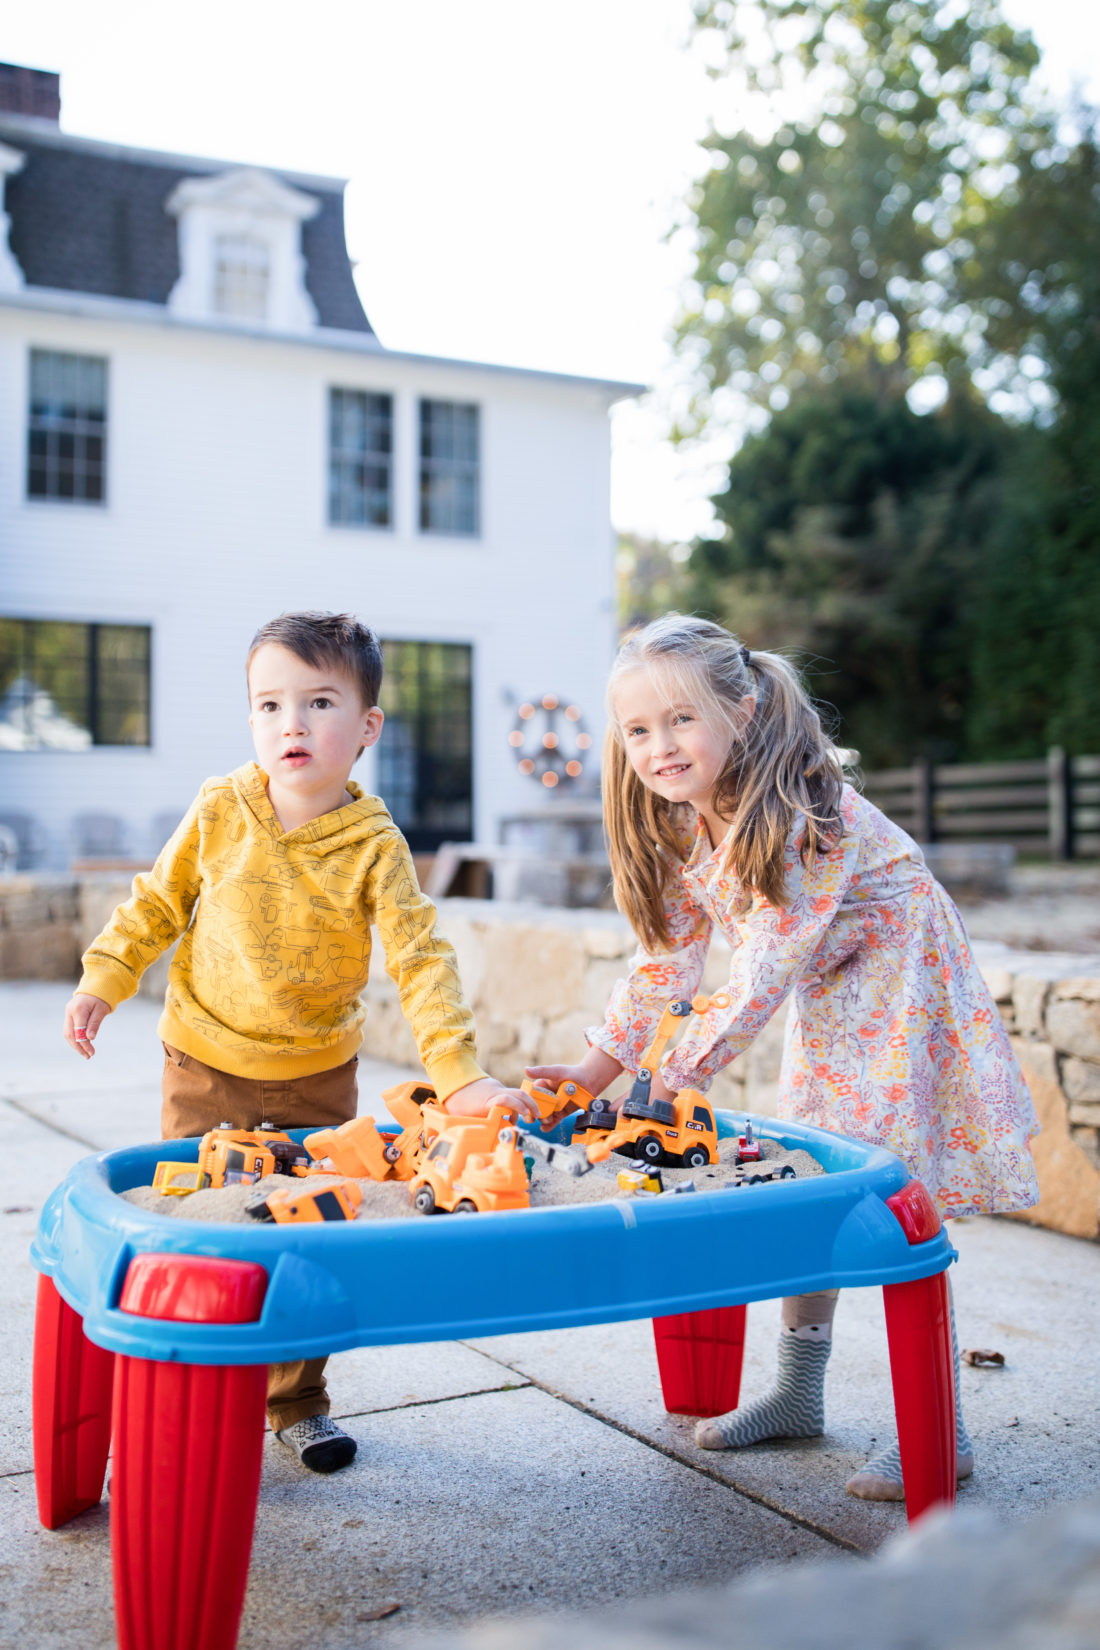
pixel 744 655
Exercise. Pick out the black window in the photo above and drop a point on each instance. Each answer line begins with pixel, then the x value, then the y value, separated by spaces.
pixel 702 1115
pixel 360 465
pixel 68 686
pixel 425 760
pixel 449 468
pixel 67 427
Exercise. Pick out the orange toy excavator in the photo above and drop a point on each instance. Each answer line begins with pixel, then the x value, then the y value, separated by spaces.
pixel 681 1131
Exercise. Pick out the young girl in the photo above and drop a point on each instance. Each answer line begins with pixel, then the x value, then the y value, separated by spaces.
pixel 725 806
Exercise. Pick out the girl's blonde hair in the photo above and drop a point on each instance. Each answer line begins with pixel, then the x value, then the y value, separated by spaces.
pixel 781 765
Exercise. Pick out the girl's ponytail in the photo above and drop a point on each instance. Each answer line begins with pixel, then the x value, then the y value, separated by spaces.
pixel 782 768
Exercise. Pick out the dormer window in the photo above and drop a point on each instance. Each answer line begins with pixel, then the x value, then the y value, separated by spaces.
pixel 242 277
pixel 241 260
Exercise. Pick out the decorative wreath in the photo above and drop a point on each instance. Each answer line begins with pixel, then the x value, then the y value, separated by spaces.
pixel 549 739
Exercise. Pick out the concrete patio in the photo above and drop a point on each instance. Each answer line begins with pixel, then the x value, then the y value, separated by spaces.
pixel 523 1473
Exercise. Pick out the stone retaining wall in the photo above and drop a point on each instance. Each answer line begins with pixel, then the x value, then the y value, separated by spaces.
pixel 537 976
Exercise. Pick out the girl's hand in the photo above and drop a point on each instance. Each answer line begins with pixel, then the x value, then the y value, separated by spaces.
pixel 84 1014
pixel 478 1099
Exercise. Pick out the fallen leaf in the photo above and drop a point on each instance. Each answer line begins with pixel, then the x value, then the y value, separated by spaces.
pixel 378 1615
pixel 978 1356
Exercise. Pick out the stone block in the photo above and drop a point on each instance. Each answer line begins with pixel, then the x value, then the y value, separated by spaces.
pixel 563 1039
pixel 65 903
pixel 1073 1026
pixel 29 908
pixel 1080 1078
pixel 1085 1113
pixel 1069 1183
pixel 1084 989
pixel 1029 995
pixel 99 894
pixel 44 953
pixel 609 942
pixel 533 969
pixel 999 983
pixel 1088 1140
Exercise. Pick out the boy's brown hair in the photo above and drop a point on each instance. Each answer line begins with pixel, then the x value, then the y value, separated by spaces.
pixel 336 639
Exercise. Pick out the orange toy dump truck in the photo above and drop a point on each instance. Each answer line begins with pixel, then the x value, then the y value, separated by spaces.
pixel 472 1164
pixel 681 1131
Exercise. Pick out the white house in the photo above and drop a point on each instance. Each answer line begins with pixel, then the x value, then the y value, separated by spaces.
pixel 198 430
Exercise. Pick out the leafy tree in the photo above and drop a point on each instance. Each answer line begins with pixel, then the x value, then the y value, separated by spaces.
pixel 652 578
pixel 855 241
pixel 856 539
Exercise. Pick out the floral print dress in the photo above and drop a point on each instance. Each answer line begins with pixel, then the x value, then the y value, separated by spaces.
pixel 893 1037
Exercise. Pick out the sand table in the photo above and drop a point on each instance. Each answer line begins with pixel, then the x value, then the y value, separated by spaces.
pixel 389 1199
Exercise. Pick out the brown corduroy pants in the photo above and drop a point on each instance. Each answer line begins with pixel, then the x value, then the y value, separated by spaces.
pixel 198 1097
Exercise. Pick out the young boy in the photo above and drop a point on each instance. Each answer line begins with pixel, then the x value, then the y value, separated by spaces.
pixel 273 879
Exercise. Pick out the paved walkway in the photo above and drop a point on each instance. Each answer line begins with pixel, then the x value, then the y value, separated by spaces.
pixel 523 1472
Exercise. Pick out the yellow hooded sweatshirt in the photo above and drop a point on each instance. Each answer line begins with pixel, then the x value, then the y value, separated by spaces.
pixel 276 944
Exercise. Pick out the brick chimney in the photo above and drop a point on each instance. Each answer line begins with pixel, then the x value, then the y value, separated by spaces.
pixel 30 92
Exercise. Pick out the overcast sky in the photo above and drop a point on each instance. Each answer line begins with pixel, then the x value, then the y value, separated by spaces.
pixel 513 168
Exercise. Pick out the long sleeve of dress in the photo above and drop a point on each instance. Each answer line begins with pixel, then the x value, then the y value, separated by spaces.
pixel 156 914
pixel 773 949
pixel 655 978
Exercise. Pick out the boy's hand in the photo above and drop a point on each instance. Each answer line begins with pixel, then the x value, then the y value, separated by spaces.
pixel 478 1099
pixel 84 1014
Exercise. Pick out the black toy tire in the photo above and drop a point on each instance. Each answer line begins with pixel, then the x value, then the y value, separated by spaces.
pixel 465 1206
pixel 696 1157
pixel 424 1201
pixel 649 1149
pixel 787 1172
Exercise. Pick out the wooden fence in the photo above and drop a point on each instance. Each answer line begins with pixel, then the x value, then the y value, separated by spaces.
pixel 1047 809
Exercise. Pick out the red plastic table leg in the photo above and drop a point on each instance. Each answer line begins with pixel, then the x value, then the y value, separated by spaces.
pixel 699 1355
pixel 71 1407
pixel 918 1327
pixel 188 1445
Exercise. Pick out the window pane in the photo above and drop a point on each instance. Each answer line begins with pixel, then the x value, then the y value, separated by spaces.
pixel 449 467
pixel 67 686
pixel 242 275
pixel 66 452
pixel 360 462
pixel 424 761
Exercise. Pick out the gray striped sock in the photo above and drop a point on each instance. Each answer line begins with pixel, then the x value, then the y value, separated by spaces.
pixel 794 1408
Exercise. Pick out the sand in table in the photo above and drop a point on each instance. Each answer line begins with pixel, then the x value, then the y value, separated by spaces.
pixel 389 1199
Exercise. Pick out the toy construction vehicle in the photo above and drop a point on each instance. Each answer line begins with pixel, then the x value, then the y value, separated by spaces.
pixel 748 1147
pixel 472 1165
pixel 548 1101
pixel 179 1179
pixel 234 1157
pixel 359 1148
pixel 681 1131
pixel 759 1176
pixel 340 1201
pixel 562 1158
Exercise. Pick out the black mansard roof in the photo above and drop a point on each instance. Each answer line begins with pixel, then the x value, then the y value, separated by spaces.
pixel 90 217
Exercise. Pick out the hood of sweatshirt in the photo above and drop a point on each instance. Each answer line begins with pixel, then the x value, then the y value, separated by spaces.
pixel 355 822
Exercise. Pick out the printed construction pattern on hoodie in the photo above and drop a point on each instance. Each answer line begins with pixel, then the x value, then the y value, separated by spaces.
pixel 276 938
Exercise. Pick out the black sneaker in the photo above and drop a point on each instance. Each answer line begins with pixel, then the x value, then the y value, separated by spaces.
pixel 319 1444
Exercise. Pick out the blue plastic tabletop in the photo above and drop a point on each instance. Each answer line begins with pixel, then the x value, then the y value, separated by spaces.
pixel 383 1282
